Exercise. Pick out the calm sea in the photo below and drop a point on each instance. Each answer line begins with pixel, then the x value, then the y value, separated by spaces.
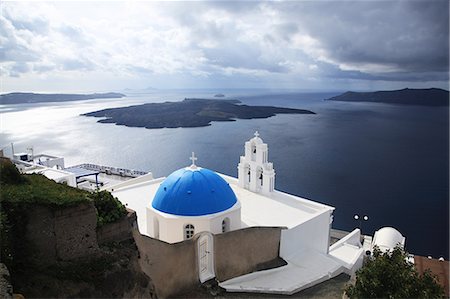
pixel 389 162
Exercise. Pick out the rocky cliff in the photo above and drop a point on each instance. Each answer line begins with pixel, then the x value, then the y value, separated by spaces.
pixel 50 237
pixel 65 259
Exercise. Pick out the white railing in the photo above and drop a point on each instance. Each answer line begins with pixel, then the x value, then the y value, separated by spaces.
pixel 111 170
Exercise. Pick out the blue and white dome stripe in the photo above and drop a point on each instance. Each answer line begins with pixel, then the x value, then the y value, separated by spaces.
pixel 194 192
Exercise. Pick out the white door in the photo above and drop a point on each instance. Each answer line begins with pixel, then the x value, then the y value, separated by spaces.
pixel 205 255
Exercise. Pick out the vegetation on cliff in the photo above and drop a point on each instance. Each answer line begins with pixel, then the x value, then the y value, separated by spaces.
pixel 391 275
pixel 110 271
pixel 21 193
pixel 37 189
pixel 109 208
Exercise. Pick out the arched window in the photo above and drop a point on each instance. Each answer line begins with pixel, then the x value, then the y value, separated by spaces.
pixel 253 152
pixel 247 172
pixel 226 225
pixel 189 231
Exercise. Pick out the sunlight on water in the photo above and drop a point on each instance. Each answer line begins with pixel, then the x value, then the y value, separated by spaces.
pixel 359 157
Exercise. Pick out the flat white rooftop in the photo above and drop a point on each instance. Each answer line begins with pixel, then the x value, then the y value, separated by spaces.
pixel 54 174
pixel 280 209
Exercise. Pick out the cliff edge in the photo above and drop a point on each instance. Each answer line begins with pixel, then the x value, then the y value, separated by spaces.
pixel 57 241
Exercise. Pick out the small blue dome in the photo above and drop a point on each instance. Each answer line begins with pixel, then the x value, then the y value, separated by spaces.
pixel 193 192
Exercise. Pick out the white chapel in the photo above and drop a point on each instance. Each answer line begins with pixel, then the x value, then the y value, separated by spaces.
pixel 193 200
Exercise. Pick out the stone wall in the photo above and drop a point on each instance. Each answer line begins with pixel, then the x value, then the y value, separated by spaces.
pixel 172 267
pixel 242 251
pixel 118 231
pixel 62 233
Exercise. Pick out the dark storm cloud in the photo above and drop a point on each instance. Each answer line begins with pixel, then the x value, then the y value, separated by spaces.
pixel 391 40
pixel 370 40
pixel 243 56
pixel 332 71
pixel 406 35
pixel 286 30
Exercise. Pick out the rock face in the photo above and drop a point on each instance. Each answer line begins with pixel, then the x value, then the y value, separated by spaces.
pixel 118 231
pixel 75 230
pixel 6 290
pixel 63 234
pixel 65 259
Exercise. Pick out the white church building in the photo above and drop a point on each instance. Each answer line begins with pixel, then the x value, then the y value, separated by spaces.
pixel 193 200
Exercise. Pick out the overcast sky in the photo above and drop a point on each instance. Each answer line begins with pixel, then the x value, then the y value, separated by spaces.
pixel 323 45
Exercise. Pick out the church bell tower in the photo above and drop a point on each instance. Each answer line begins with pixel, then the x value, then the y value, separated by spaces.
pixel 255 173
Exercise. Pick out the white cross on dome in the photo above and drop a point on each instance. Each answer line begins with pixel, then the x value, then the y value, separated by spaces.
pixel 193 158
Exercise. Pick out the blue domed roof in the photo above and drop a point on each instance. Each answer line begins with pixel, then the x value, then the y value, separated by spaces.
pixel 194 192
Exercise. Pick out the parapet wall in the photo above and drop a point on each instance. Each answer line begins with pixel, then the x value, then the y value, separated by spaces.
pixel 173 268
pixel 242 251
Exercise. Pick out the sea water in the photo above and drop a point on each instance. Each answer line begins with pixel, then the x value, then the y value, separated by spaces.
pixel 389 162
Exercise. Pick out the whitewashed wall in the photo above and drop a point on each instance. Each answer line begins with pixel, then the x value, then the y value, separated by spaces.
pixel 312 234
pixel 171 228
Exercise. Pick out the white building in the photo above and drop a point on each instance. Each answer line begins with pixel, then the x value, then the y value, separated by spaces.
pixel 192 200
pixel 387 238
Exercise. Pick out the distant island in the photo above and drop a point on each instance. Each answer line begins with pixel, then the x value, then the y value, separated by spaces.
pixel 187 113
pixel 407 96
pixel 26 97
pixel 219 95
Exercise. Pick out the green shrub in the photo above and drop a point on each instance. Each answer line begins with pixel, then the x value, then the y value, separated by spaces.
pixel 109 208
pixel 9 173
pixel 40 190
pixel 37 189
pixel 391 275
